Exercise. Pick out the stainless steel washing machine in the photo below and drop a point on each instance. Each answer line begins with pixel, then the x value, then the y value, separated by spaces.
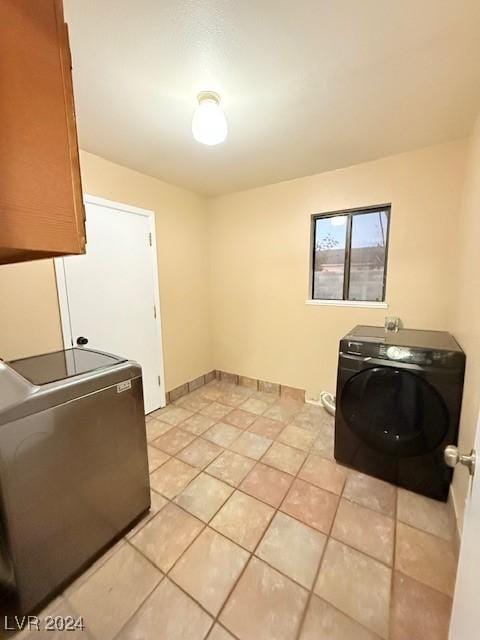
pixel 73 467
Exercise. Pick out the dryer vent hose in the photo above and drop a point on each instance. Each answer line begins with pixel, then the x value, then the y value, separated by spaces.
pixel 328 401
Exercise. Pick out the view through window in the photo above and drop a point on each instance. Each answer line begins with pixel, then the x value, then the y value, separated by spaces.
pixel 350 255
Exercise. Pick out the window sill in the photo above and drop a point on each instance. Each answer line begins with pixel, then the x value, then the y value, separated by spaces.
pixel 348 303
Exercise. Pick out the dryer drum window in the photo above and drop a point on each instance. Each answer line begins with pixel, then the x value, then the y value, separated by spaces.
pixel 394 411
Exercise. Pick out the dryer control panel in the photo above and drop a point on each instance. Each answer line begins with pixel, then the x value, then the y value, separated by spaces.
pixel 400 353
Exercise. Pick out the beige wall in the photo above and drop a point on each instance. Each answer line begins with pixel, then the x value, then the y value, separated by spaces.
pixel 29 316
pixel 260 242
pixel 467 311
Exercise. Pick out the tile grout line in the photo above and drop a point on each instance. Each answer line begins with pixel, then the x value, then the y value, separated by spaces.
pixel 424 584
pixel 150 592
pixel 317 573
pixel 165 574
pixel 394 556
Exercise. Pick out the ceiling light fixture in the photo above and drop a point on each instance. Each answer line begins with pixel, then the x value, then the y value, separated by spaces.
pixel 209 125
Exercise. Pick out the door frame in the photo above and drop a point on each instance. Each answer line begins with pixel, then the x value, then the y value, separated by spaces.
pixel 62 281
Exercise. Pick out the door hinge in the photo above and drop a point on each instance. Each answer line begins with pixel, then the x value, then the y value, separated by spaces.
pixel 154 311
pixel 159 381
pixel 150 239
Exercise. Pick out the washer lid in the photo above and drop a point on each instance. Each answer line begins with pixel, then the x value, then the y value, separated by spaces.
pixel 60 365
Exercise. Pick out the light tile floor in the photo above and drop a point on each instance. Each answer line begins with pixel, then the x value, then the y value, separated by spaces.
pixel 256 533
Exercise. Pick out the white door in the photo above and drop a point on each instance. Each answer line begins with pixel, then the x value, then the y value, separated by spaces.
pixel 109 296
pixel 465 623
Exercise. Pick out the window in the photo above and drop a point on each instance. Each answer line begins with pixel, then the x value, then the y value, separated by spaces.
pixel 350 254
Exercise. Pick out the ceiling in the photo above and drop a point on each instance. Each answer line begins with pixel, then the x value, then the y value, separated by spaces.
pixel 307 85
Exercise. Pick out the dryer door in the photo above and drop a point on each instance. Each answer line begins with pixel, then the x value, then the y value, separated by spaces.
pixel 394 411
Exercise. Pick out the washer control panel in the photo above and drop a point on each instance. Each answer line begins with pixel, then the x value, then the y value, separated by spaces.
pixel 396 353
pixel 414 347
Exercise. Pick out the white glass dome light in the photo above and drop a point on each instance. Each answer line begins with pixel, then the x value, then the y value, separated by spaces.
pixel 209 125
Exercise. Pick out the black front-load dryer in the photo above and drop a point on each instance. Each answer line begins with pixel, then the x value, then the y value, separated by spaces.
pixel 398 405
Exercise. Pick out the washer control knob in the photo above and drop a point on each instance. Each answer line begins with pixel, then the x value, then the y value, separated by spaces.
pixel 394 353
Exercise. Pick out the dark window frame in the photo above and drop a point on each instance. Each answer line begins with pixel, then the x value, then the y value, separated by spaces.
pixel 349 213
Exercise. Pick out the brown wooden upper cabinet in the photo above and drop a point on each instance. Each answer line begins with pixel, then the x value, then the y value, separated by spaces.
pixel 41 204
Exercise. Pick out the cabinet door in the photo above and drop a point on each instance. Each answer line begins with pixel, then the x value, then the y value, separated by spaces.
pixel 41 208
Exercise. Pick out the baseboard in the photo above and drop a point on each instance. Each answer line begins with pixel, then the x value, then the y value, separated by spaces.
pixel 282 391
pixel 187 387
